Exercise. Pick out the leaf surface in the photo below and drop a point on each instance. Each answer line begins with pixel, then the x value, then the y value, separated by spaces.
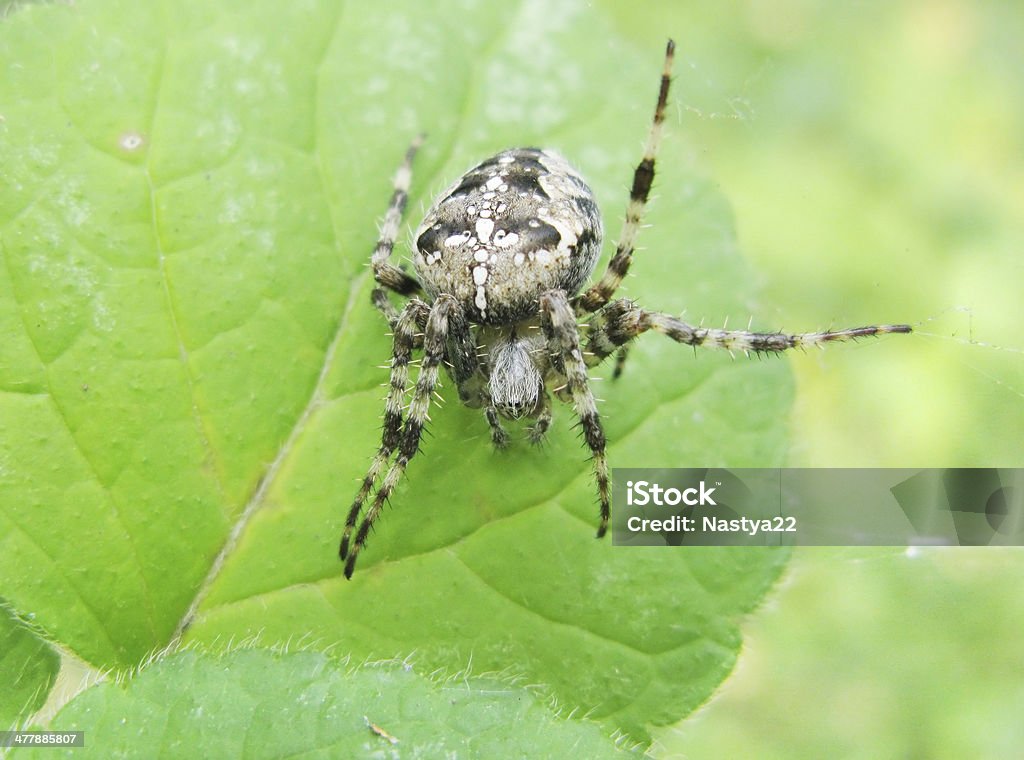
pixel 188 372
pixel 258 704
pixel 28 669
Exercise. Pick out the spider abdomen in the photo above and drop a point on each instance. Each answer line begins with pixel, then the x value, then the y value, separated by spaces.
pixel 516 225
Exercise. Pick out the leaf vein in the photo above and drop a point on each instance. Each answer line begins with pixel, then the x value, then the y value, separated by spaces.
pixel 168 294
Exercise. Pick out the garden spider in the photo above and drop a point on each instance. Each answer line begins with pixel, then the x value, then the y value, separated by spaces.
pixel 500 259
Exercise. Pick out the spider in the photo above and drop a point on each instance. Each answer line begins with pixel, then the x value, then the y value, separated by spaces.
pixel 500 259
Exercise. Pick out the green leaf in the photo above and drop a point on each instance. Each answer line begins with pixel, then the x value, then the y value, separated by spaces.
pixel 28 668
pixel 188 381
pixel 256 704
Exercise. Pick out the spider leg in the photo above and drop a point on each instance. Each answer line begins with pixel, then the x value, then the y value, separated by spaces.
pixel 539 429
pixel 499 436
pixel 598 294
pixel 460 356
pixel 404 340
pixel 622 320
pixel 559 324
pixel 443 312
pixel 620 361
pixel 380 299
pixel 384 272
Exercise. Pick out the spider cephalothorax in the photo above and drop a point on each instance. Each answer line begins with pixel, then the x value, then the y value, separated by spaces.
pixel 500 259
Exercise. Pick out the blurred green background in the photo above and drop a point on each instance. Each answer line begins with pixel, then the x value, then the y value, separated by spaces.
pixel 873 153
pixel 875 653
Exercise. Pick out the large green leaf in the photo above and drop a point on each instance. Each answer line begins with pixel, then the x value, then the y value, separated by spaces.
pixel 188 368
pixel 260 704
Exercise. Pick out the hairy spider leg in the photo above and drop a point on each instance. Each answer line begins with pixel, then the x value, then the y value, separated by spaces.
pixel 384 272
pixel 620 361
pixel 598 294
pixel 401 356
pixel 622 320
pixel 559 324
pixel 539 429
pixel 434 345
pixel 499 436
